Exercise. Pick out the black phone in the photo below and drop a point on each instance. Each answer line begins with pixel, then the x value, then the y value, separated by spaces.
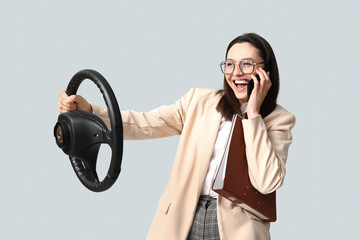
pixel 250 86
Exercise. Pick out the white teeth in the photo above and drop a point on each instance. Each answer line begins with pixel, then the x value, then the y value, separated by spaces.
pixel 240 82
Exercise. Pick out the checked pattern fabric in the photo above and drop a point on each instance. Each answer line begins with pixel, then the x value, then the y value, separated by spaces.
pixel 205 226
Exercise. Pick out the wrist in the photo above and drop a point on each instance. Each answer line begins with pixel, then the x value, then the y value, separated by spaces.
pixel 89 109
pixel 252 114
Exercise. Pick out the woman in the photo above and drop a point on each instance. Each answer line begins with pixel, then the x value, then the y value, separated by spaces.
pixel 189 209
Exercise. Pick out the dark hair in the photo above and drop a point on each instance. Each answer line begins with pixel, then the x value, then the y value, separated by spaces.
pixel 229 104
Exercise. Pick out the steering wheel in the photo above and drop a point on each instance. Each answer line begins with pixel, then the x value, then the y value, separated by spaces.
pixel 80 134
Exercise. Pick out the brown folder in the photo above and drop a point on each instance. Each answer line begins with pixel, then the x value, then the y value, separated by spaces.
pixel 232 181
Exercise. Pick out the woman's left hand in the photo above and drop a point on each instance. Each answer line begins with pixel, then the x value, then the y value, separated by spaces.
pixel 259 92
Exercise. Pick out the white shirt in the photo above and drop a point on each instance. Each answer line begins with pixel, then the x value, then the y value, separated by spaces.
pixel 217 154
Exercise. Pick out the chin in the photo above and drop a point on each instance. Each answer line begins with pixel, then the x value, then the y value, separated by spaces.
pixel 242 97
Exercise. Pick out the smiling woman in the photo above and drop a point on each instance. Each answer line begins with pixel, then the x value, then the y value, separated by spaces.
pixel 246 56
pixel 189 209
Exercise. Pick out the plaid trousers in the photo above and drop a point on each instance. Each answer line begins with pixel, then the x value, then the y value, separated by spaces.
pixel 205 225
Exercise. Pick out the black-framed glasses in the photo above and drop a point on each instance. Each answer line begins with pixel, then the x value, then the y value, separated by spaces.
pixel 246 66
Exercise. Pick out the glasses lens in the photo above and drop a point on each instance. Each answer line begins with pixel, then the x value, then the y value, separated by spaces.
pixel 227 67
pixel 247 66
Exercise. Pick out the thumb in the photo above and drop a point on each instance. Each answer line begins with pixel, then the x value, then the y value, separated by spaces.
pixel 71 99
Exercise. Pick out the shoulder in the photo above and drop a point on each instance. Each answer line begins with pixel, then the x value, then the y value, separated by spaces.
pixel 197 97
pixel 280 116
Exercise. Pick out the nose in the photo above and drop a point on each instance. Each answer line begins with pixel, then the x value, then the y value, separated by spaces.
pixel 237 70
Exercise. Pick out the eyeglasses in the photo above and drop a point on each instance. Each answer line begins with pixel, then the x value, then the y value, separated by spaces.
pixel 246 66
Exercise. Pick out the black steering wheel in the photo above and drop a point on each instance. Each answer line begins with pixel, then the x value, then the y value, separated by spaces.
pixel 79 134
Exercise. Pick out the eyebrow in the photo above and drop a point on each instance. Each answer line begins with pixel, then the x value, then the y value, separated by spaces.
pixel 242 59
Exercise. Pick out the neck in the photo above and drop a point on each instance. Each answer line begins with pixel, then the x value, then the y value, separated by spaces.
pixel 242 102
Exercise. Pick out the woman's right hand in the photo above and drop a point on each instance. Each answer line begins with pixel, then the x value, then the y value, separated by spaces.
pixel 74 102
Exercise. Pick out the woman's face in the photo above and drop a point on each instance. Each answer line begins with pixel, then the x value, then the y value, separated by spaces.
pixel 238 80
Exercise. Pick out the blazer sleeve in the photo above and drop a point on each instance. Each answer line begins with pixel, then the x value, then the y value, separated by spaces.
pixel 164 121
pixel 267 149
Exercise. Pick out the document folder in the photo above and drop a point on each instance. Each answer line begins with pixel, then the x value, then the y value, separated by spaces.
pixel 231 180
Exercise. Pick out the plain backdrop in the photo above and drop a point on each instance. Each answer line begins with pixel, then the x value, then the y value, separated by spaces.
pixel 152 52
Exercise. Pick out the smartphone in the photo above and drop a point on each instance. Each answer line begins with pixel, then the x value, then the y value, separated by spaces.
pixel 250 86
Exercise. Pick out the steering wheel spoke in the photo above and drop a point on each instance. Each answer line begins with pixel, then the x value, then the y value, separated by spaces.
pixel 107 137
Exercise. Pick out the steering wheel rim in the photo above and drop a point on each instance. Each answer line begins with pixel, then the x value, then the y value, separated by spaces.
pixel 113 138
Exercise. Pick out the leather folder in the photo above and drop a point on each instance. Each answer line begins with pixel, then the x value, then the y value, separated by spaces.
pixel 231 179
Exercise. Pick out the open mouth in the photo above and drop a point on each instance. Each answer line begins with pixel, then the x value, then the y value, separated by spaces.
pixel 240 84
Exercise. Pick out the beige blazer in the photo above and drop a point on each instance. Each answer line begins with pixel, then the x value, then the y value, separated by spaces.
pixel 195 118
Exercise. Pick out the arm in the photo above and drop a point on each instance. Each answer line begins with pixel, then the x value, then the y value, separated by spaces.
pixel 267 149
pixel 164 121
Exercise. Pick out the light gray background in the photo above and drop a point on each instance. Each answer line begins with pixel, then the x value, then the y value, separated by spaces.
pixel 152 52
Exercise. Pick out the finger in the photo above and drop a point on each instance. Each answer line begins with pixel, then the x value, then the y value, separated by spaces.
pixel 67 105
pixel 267 81
pixel 66 97
pixel 261 73
pixel 63 94
pixel 266 74
pixel 263 88
pixel 67 100
pixel 262 78
pixel 71 99
pixel 270 83
pixel 63 109
pixel 256 83
pixel 70 106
